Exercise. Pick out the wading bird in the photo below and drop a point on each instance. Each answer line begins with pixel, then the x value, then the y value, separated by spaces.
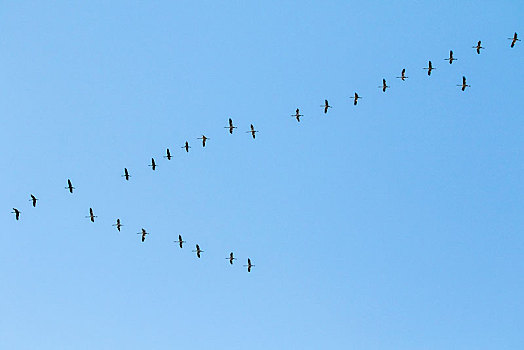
pixel 180 241
pixel 33 199
pixel 118 225
pixel 69 186
pixel 204 139
pixel 463 85
pixel 186 146
pixel 17 213
pixel 403 75
pixel 429 68
pixel 297 115
pixel 153 164
pixel 355 99
pixel 231 258
pixel 326 106
pixel 249 265
pixel 198 251
pixel 143 233
pixel 168 154
pixel 514 39
pixel 384 85
pixel 252 131
pixel 230 127
pixel 478 47
pixel 91 216
pixel 126 174
pixel 450 59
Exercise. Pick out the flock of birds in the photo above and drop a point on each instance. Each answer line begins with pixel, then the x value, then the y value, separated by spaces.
pixel 253 132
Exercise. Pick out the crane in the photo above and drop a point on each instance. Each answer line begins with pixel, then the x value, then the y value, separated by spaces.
pixel 326 106
pixel 118 225
pixel 33 199
pixel 91 216
pixel 297 115
pixel 69 186
pixel 204 139
pixel 126 174
pixel 429 68
pixel 463 85
pixel 231 258
pixel 355 99
pixel 17 213
pixel 168 154
pixel 180 241
pixel 450 59
pixel 186 146
pixel 514 39
pixel 249 265
pixel 153 164
pixel 143 233
pixel 403 75
pixel 384 85
pixel 230 127
pixel 252 131
pixel 198 251
pixel 478 47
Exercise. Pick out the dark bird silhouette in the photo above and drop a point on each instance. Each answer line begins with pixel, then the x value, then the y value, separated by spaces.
pixel 198 251
pixel 230 127
pixel 153 164
pixel 69 186
pixel 326 106
pixel 355 99
pixel 478 47
pixel 252 131
pixel 186 146
pixel 17 213
pixel 126 174
pixel 180 241
pixel 450 59
pixel 249 265
pixel 204 139
pixel 118 225
pixel 429 68
pixel 168 154
pixel 403 75
pixel 143 233
pixel 231 258
pixel 297 115
pixel 33 199
pixel 384 85
pixel 463 85
pixel 514 39
pixel 91 216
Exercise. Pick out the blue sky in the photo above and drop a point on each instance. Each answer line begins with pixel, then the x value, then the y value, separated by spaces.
pixel 393 224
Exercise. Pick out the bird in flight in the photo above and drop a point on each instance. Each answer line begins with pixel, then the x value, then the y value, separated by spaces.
pixel 186 146
pixel 403 75
pixel 230 127
pixel 463 85
pixel 384 85
pixel 180 241
pixel 231 258
pixel 33 199
pixel 17 213
pixel 153 164
pixel 478 47
pixel 429 68
pixel 450 59
pixel 297 115
pixel 198 251
pixel 326 106
pixel 514 39
pixel 91 216
pixel 249 265
pixel 118 224
pixel 168 154
pixel 204 139
pixel 126 174
pixel 143 233
pixel 355 99
pixel 69 186
pixel 252 131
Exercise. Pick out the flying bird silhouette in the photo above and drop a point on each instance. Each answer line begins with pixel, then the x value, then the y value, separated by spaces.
pixel 186 146
pixel 384 85
pixel 118 225
pixel 429 68
pixel 153 164
pixel 463 85
pixel 198 251
pixel 252 131
pixel 231 258
pixel 450 59
pixel 297 115
pixel 168 154
pixel 91 216
pixel 204 139
pixel 478 47
pixel 355 99
pixel 180 241
pixel 126 174
pixel 17 213
pixel 33 199
pixel 514 39
pixel 326 106
pixel 69 186
pixel 143 233
pixel 403 75
pixel 249 265
pixel 230 127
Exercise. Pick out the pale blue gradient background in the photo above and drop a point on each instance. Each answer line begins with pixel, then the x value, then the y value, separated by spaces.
pixel 396 224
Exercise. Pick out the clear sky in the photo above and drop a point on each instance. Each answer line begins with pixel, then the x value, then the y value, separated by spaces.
pixel 395 224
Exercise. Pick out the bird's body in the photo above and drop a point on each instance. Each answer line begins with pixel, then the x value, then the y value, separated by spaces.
pixel 17 213
pixel 153 164
pixel 231 126
pixel 297 115
pixel 355 99
pixel 326 106
pixel 249 265
pixel 231 258
pixel 463 85
pixel 168 154
pixel 33 199
pixel 384 85
pixel 403 75
pixel 118 224
pixel 514 39
pixel 91 216
pixel 143 233
pixel 126 174
pixel 204 139
pixel 429 67
pixel 478 47
pixel 252 131
pixel 180 241
pixel 186 146
pixel 450 59
pixel 70 186
pixel 198 251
